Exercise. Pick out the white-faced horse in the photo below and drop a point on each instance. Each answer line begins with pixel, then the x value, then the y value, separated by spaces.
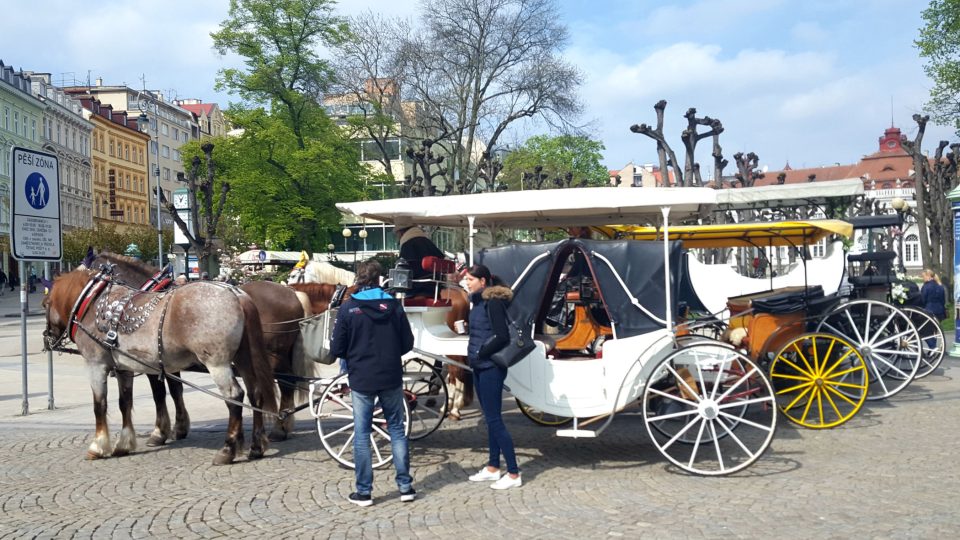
pixel 121 329
pixel 321 272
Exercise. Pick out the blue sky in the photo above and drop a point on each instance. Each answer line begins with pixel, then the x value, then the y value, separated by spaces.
pixel 813 82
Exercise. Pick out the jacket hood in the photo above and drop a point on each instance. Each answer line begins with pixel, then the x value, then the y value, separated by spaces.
pixel 374 303
pixel 498 292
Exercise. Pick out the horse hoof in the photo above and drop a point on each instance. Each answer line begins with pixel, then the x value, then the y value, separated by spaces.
pixel 255 454
pixel 277 436
pixel 223 457
pixel 180 435
pixel 454 415
pixel 156 440
pixel 93 455
pixel 120 453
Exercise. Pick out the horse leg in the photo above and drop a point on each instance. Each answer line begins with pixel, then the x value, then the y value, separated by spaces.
pixel 223 377
pixel 128 437
pixel 282 428
pixel 182 425
pixel 259 443
pixel 455 387
pixel 100 447
pixel 161 428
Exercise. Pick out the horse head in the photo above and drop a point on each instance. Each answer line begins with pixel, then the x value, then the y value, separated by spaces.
pixel 59 304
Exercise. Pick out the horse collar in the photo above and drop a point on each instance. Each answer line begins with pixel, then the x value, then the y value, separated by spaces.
pixel 337 298
pixel 90 292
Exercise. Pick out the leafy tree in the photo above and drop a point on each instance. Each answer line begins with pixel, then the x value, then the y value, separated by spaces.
pixel 106 236
pixel 939 44
pixel 576 155
pixel 291 163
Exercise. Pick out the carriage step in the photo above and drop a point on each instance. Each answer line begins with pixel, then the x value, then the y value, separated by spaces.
pixel 577 433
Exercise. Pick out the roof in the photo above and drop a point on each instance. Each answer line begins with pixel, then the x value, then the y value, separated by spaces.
pixel 541 208
pixel 776 196
pixel 199 108
pixel 785 233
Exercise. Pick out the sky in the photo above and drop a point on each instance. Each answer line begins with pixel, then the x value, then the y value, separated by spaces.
pixel 811 83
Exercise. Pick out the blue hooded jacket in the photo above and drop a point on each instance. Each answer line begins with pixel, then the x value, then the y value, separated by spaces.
pixel 372 334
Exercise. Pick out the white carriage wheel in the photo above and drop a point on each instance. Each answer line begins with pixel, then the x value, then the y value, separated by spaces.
pixel 932 340
pixel 722 412
pixel 334 413
pixel 885 337
pixel 427 396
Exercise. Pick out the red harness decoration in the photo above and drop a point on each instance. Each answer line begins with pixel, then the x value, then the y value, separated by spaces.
pixel 90 293
pixel 157 283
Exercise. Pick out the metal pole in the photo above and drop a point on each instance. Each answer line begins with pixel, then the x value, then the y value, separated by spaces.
pixel 665 210
pixel 50 406
pixel 156 132
pixel 25 408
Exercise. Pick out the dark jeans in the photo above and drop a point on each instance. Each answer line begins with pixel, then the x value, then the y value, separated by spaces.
pixel 489 385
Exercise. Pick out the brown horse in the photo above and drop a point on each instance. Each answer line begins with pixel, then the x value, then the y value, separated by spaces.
pixel 122 329
pixel 279 309
pixel 461 382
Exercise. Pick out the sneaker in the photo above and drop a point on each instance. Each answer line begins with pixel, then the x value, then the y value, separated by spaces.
pixel 408 495
pixel 485 475
pixel 360 500
pixel 506 482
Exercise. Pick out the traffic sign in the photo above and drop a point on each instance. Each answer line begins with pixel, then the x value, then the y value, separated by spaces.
pixel 262 255
pixel 35 206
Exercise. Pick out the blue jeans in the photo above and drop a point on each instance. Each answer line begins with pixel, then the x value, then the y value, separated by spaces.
pixel 489 385
pixel 363 407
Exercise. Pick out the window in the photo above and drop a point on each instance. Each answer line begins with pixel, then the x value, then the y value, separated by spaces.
pixel 6 118
pixel 165 129
pixel 176 134
pixel 33 130
pixel 16 122
pixel 166 172
pixel 153 147
pixel 141 156
pixel 166 151
pixel 911 249
pixel 176 155
pixel 111 142
pixel 819 249
pixel 58 132
pixel 370 150
pixel 126 152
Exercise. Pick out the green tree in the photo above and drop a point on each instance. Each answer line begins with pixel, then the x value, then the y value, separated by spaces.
pixel 292 163
pixel 576 155
pixel 108 237
pixel 939 44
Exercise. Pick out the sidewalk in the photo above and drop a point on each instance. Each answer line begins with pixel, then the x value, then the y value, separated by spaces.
pixel 10 305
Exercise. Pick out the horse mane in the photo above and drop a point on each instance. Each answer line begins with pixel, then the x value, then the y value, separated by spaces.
pixel 328 273
pixel 127 263
pixel 66 289
pixel 321 292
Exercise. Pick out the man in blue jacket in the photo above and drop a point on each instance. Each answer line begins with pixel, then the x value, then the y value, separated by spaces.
pixel 372 334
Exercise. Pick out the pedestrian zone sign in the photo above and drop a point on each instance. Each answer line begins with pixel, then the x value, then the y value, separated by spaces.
pixel 35 206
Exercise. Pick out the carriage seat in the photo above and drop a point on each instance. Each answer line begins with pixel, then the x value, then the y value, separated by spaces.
pixel 872 269
pixel 438 266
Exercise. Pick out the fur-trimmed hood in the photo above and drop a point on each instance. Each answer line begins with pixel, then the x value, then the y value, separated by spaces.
pixel 498 292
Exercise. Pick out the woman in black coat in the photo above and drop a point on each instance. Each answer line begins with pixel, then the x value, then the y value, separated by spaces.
pixel 933 295
pixel 489 334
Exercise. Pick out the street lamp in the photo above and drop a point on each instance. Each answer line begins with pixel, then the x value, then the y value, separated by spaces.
pixel 363 236
pixel 901 207
pixel 143 122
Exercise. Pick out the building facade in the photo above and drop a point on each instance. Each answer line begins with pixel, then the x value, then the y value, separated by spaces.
pixel 207 116
pixel 119 160
pixel 170 127
pixel 21 117
pixel 67 134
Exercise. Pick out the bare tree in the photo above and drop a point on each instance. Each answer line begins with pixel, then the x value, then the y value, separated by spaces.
pixel 480 66
pixel 691 137
pixel 369 86
pixel 747 172
pixel 203 240
pixel 933 180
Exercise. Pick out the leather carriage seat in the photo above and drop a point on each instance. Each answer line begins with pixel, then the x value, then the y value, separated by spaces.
pixel 436 265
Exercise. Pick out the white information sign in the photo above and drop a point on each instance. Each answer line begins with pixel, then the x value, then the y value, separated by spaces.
pixel 35 206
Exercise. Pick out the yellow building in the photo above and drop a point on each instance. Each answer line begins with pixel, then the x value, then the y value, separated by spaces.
pixel 119 153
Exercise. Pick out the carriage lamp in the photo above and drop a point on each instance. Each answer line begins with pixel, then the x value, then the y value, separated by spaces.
pixel 399 276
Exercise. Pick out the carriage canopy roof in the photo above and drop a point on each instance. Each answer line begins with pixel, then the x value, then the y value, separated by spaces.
pixel 790 195
pixel 541 208
pixel 784 233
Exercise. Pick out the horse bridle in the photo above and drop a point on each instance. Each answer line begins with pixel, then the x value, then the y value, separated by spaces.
pixel 90 292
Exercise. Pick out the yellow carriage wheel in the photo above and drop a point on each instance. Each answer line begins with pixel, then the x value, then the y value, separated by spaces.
pixel 543 418
pixel 820 380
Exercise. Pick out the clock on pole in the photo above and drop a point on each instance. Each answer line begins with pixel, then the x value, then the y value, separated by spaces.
pixel 181 202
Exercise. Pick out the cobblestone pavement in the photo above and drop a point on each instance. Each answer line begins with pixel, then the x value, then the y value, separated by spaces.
pixel 889 473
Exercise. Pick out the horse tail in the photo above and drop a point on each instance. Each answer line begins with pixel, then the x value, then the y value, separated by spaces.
pixel 253 355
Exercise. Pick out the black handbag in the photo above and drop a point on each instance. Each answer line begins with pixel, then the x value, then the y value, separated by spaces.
pixel 519 346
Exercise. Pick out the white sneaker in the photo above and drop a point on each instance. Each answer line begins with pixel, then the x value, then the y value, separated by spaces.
pixel 507 482
pixel 485 475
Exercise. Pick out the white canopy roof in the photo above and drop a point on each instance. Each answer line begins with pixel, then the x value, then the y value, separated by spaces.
pixel 540 208
pixel 788 194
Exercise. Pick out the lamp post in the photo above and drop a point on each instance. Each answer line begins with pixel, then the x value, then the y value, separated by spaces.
pixel 901 207
pixel 347 233
pixel 142 122
pixel 363 236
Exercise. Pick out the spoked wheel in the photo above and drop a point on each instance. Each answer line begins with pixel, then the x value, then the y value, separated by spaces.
pixel 885 337
pixel 427 397
pixel 334 413
pixel 820 380
pixel 709 409
pixel 542 418
pixel 932 340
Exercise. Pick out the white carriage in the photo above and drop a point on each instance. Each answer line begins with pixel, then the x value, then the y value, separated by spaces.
pixel 707 408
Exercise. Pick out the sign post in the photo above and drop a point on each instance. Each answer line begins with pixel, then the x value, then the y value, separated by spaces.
pixel 954 198
pixel 35 233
